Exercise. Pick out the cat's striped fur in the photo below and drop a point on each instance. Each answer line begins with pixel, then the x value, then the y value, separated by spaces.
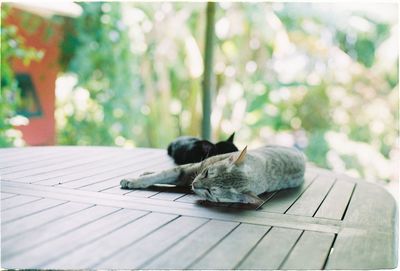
pixel 234 177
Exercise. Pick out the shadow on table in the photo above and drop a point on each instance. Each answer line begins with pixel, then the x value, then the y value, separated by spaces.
pixel 268 197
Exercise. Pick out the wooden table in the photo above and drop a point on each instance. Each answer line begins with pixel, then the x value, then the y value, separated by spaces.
pixel 62 208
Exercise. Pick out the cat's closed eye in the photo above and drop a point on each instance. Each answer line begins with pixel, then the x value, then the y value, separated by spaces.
pixel 206 173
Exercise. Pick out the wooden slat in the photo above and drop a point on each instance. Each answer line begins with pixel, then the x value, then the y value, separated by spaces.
pixel 230 251
pixel 167 196
pixel 30 239
pixel 144 250
pixel 271 251
pixel 97 161
pixel 124 168
pixel 40 163
pixel 190 198
pixel 40 167
pixel 310 252
pixel 28 223
pixel 99 250
pixel 179 208
pixel 7 153
pixel 4 152
pixel 17 201
pixel 44 234
pixel 54 178
pixel 312 198
pixel 154 165
pixel 53 168
pixel 26 210
pixel 192 247
pixel 139 193
pixel 282 200
pixel 7 195
pixel 337 200
pixel 32 154
pixel 62 245
pixel 8 159
pixel 369 238
pixel 115 191
pixel 105 185
pixel 25 158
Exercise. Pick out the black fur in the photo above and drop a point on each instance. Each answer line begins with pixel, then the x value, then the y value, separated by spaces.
pixel 185 149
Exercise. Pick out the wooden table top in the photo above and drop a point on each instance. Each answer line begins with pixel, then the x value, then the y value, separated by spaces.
pixel 62 208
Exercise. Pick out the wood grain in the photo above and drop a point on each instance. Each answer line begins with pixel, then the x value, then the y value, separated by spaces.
pixel 193 247
pixel 368 239
pixel 101 249
pixel 337 200
pixel 179 208
pixel 62 208
pixel 232 249
pixel 271 251
pixel 12 202
pixel 310 252
pixel 27 241
pixel 22 211
pixel 144 250
pixel 282 200
pixel 39 220
pixel 308 203
pixel 70 241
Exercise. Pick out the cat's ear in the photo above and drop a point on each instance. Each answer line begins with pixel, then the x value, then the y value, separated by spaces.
pixel 241 156
pixel 252 198
pixel 230 139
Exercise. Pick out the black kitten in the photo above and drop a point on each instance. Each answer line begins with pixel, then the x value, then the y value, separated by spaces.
pixel 186 149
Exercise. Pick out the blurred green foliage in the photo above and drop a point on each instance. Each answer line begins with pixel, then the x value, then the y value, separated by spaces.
pixel 315 76
pixel 96 48
pixel 294 74
pixel 12 47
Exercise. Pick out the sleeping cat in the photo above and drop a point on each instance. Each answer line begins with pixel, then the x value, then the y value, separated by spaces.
pixel 185 149
pixel 234 177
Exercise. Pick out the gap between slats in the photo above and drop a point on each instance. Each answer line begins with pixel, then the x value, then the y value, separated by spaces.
pixel 176 207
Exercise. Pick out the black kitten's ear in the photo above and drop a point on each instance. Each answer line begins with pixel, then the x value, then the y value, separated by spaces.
pixel 230 139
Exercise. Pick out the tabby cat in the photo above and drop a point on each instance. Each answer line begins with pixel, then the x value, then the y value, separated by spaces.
pixel 233 177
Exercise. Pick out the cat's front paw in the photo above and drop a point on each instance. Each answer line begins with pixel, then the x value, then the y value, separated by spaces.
pixel 125 183
pixel 132 184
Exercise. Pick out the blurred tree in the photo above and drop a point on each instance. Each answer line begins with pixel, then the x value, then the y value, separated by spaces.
pixel 316 76
pixel 97 49
pixel 208 88
pixel 12 48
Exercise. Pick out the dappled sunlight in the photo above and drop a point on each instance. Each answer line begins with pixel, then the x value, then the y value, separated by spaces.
pixel 194 61
pixel 375 165
pixel 320 77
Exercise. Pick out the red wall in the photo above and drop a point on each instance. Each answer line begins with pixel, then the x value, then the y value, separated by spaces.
pixel 40 130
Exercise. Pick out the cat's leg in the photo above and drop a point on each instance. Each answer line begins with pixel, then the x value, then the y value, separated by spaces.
pixel 180 175
pixel 148 179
